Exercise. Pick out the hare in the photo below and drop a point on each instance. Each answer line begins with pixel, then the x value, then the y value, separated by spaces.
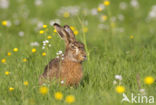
pixel 69 70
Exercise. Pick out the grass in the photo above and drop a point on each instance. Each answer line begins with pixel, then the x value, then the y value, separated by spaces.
pixel 111 52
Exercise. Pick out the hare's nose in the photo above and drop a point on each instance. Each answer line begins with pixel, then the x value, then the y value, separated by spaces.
pixel 85 57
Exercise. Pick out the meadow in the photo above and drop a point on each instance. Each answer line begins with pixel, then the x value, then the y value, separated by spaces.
pixel 119 37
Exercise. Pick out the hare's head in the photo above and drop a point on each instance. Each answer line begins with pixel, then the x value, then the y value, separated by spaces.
pixel 75 51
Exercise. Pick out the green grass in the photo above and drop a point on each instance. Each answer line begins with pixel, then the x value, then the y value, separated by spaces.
pixel 111 52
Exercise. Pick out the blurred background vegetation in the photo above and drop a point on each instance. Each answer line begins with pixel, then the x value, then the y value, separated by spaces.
pixel 119 36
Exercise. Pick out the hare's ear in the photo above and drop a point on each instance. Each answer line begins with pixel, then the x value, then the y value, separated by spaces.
pixel 70 33
pixel 63 34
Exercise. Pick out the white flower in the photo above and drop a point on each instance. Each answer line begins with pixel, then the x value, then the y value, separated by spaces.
pixel 152 13
pixel 101 6
pixel 8 23
pixel 142 91
pixel 38 2
pixel 72 10
pixel 49 45
pixel 62 82
pixel 94 11
pixel 113 19
pixel 118 77
pixel 43 47
pixel 4 4
pixel 21 33
pixel 120 17
pixel 60 52
pixel 34 44
pixel 46 41
pixel 44 44
pixel 16 22
pixel 134 3
pixel 123 5
pixel 103 26
pixel 114 82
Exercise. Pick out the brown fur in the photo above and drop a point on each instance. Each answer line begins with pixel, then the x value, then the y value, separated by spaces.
pixel 71 72
pixel 68 70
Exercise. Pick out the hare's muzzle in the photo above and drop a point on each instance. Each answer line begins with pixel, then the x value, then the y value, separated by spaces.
pixel 85 57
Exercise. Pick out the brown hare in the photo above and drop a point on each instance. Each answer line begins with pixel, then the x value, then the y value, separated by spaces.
pixel 69 70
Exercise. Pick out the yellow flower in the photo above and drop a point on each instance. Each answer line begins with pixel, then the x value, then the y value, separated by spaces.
pixel 99 9
pixel 104 18
pixel 4 23
pixel 3 60
pixel 15 49
pixel 49 37
pixel 85 29
pixel 76 32
pixel 58 96
pixel 54 30
pixel 106 3
pixel 7 73
pixel 24 60
pixel 33 50
pixel 66 14
pixel 72 28
pixel 70 99
pixel 149 80
pixel 120 89
pixel 44 54
pixel 131 37
pixel 11 89
pixel 9 53
pixel 41 32
pixel 43 90
pixel 26 83
pixel 44 26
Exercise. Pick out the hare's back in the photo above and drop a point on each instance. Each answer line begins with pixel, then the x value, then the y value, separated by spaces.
pixel 51 68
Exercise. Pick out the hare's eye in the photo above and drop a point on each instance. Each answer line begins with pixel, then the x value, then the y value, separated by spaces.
pixel 80 47
pixel 72 46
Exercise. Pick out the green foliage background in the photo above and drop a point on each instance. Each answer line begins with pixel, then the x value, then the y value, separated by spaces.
pixel 111 52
